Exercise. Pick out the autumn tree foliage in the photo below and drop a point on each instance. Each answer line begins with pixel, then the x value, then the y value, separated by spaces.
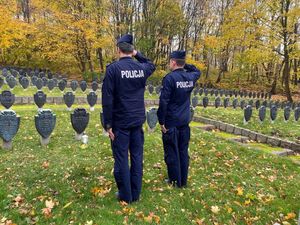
pixel 249 42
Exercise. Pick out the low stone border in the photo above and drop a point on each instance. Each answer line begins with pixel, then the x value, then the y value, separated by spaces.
pixel 59 100
pixel 229 128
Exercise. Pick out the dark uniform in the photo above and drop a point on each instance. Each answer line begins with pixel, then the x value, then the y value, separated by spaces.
pixel 124 111
pixel 174 113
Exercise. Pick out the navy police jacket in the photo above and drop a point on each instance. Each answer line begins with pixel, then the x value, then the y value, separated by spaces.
pixel 123 92
pixel 174 102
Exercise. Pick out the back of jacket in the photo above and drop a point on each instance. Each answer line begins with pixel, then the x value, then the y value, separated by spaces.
pixel 174 104
pixel 123 92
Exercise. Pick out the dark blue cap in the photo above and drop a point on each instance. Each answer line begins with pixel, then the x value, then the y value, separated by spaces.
pixel 127 38
pixel 178 55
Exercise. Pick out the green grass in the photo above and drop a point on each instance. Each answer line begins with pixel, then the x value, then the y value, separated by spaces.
pixel 287 130
pixel 264 147
pixel 66 172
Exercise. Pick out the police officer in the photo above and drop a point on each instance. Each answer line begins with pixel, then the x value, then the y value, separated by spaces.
pixel 124 114
pixel 174 116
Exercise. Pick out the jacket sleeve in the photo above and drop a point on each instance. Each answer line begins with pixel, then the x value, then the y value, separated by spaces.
pixel 149 66
pixel 164 99
pixel 108 98
pixel 193 71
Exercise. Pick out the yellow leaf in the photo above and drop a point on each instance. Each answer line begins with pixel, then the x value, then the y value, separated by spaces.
pixel 240 191
pixel 215 209
pixel 290 216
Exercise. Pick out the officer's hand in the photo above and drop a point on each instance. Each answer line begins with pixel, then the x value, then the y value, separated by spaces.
pixel 111 134
pixel 134 53
pixel 163 129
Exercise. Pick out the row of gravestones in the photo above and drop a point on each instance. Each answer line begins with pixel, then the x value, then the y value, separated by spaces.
pixel 218 102
pixel 39 83
pixel 45 122
pixel 28 72
pixel 287 112
pixel 7 99
pixel 218 92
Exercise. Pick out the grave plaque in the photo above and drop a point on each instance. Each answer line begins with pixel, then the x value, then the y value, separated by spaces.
pixel 83 85
pixel 24 82
pixel 205 101
pixel 45 122
pixel 273 113
pixel 217 102
pixel 94 86
pixel 39 83
pixel 262 113
pixel 247 113
pixel 92 100
pixel 74 85
pixel 79 119
pixel 40 99
pixel 69 99
pixel 62 85
pixel 195 101
pixel 287 113
pixel 235 103
pixel 7 99
pixel 152 118
pixel 9 126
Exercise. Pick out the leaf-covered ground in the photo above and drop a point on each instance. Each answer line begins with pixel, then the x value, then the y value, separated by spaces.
pixel 71 183
pixel 287 130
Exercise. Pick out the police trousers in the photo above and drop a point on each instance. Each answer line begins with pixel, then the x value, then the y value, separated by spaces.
pixel 176 144
pixel 128 179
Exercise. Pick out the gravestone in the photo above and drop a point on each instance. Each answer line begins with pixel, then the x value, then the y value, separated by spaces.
pixel 243 104
pixel 33 80
pixel 262 113
pixel 235 103
pixel 195 101
pixel 192 112
pixel 92 100
pixel 287 113
pixel 297 114
pixel 205 90
pixel 45 81
pixel 83 85
pixel 226 102
pixel 40 99
pixel 257 104
pixel 150 89
pixel 9 126
pixel 265 103
pixel 7 99
pixel 79 119
pixel 157 90
pixel 216 92
pixel 205 101
pixel 247 113
pixel 273 113
pixel 51 85
pixel 74 85
pixel 217 102
pixel 94 86
pixel 69 99
pixel 45 122
pixel 250 102
pixel 212 92
pixel 196 91
pixel 152 118
pixel 24 82
pixel 39 83
pixel 11 82
pixel 62 85
pixel 1 82
pixel 201 91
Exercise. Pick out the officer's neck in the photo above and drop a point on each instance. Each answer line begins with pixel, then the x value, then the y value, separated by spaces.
pixel 122 55
pixel 177 68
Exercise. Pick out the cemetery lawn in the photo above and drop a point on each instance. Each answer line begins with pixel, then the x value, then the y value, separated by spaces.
pixel 68 182
pixel 286 130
